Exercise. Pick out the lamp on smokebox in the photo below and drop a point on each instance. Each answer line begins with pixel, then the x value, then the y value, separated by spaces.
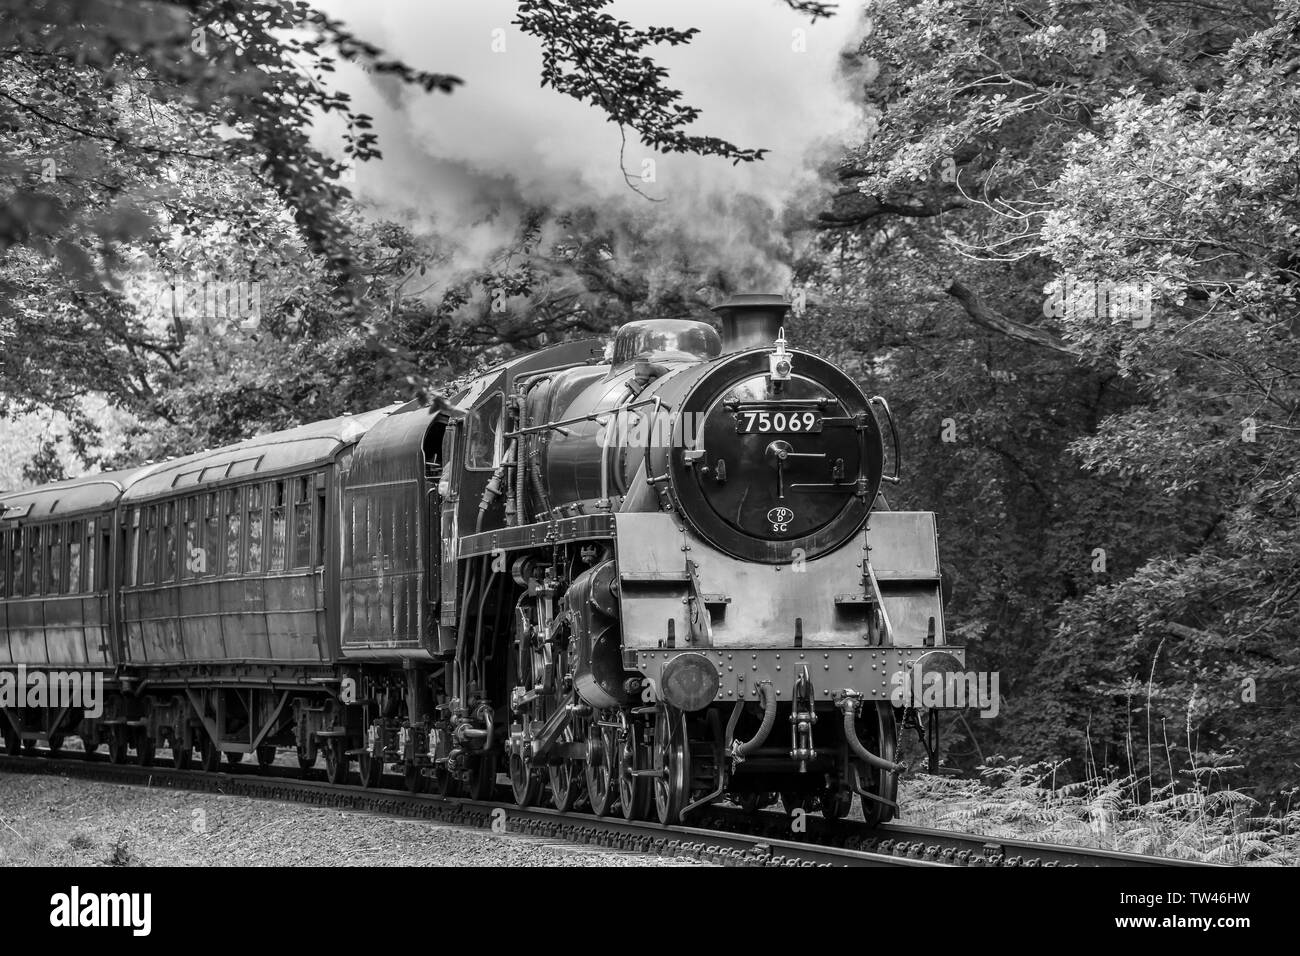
pixel 779 361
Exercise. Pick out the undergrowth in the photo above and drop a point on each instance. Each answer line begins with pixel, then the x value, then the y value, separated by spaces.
pixel 1200 819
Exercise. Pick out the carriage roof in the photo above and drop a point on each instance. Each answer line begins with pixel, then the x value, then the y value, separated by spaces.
pixel 87 493
pixel 300 448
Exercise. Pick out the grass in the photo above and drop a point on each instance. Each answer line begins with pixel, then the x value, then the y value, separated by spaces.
pixel 1014 799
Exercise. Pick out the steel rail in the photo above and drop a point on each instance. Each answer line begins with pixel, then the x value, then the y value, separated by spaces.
pixel 714 846
pixel 722 835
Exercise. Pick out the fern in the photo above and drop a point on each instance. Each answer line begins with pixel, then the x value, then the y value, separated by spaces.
pixel 1199 818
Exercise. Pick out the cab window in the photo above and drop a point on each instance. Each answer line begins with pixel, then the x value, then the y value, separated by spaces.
pixel 484 444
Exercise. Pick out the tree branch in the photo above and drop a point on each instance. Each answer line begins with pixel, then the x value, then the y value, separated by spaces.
pixel 983 316
pixel 872 206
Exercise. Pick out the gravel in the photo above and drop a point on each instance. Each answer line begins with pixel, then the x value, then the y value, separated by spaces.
pixel 55 821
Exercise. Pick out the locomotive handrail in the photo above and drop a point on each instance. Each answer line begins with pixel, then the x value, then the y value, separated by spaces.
pixel 894 478
pixel 581 418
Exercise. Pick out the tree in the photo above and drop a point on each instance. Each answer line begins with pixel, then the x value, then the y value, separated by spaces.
pixel 1096 202
pixel 154 148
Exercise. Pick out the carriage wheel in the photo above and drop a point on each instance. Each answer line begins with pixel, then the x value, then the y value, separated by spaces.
pixel 371 769
pixel 55 743
pixel 265 756
pixel 117 745
pixel 878 731
pixel 602 787
pixel 633 791
pixel 234 757
pixel 13 745
pixel 89 744
pixel 525 781
pixel 145 748
pixel 482 783
pixel 336 760
pixel 567 777
pixel 29 748
pixel 210 755
pixel 306 758
pixel 182 756
pixel 672 779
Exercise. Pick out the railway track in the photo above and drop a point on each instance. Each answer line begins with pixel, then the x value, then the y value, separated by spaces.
pixel 724 836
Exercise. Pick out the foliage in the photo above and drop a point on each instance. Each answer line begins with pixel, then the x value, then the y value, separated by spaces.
pixel 1016 799
pixel 1119 505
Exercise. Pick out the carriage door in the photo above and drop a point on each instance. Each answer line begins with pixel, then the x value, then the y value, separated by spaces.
pixel 448 497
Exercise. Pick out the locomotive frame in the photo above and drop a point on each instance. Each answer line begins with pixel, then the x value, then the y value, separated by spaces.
pixel 481 587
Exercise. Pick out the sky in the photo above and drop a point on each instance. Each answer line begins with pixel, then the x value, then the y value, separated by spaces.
pixel 762 75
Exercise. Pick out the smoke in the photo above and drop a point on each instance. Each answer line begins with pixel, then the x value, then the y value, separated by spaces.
pixel 471 163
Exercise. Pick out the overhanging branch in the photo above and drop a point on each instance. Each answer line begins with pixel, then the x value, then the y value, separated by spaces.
pixel 983 316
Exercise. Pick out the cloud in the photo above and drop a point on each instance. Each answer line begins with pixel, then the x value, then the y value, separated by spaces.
pixel 762 76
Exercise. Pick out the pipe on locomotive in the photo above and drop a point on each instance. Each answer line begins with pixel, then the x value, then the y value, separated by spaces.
pixel 739 750
pixel 850 707
pixel 493 488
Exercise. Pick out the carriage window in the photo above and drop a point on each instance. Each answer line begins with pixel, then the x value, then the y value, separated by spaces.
pixel 233 549
pixel 375 522
pixel 33 549
pixel 72 581
pixel 94 569
pixel 191 554
pixel 16 578
pixel 360 539
pixel 486 435
pixel 253 499
pixel 211 535
pixel 168 544
pixel 277 526
pixel 133 575
pixel 302 523
pixel 320 529
pixel 380 525
pixel 149 555
pixel 54 559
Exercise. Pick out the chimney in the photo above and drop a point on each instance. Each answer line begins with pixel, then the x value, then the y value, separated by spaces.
pixel 751 320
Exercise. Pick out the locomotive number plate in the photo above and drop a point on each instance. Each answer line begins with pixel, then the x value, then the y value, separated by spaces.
pixel 763 423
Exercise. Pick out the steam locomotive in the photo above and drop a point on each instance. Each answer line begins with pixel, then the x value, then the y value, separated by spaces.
pixel 636 577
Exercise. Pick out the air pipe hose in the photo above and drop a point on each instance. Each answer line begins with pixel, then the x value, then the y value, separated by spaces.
pixel 741 750
pixel 849 707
